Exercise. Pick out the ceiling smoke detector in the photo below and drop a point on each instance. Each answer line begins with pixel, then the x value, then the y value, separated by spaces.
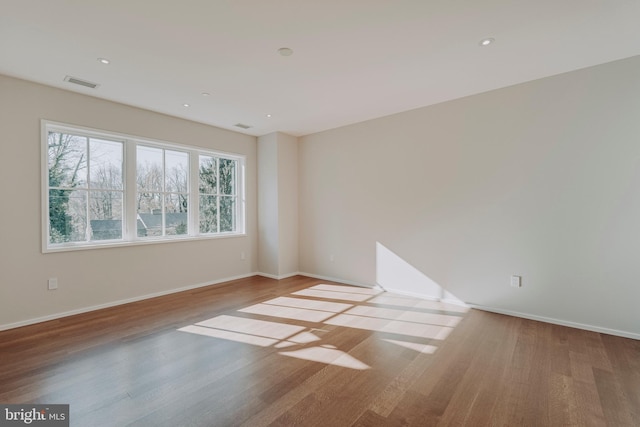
pixel 285 51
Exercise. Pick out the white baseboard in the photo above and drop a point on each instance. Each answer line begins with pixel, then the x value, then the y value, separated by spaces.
pixel 119 302
pixel 586 327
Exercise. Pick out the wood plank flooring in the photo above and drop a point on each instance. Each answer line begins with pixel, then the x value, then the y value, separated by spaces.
pixel 305 352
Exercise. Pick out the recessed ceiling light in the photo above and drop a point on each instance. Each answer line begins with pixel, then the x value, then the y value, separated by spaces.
pixel 205 94
pixel 285 51
pixel 103 61
pixel 487 41
pixel 185 105
pixel 268 115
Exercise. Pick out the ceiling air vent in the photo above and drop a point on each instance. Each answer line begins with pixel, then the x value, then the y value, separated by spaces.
pixel 80 82
pixel 242 126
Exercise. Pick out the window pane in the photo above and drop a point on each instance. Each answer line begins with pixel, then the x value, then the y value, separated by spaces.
pixel 176 203
pixel 227 213
pixel 208 175
pixel 149 202
pixel 176 217
pixel 176 171
pixel 208 214
pixel 149 169
pixel 67 160
pixel 106 164
pixel 149 214
pixel 141 227
pixel 227 176
pixel 105 210
pixel 67 216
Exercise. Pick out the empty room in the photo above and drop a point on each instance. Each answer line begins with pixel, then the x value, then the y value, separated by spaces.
pixel 297 213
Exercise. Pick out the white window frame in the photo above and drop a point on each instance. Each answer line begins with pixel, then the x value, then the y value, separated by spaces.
pixel 164 193
pixel 129 229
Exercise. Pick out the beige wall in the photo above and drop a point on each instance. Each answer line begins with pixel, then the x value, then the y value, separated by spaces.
pixel 278 204
pixel 288 201
pixel 268 235
pixel 100 276
pixel 540 180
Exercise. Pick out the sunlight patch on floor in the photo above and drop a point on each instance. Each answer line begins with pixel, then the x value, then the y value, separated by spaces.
pixel 228 335
pixel 346 296
pixel 311 304
pixel 391 326
pixel 288 312
pixel 301 338
pixel 420 348
pixel 404 315
pixel 260 328
pixel 409 302
pixel 329 356
pixel 420 319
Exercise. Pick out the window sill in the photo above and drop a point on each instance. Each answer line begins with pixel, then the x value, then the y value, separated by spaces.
pixel 67 247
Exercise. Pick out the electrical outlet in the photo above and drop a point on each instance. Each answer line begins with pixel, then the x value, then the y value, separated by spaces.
pixel 516 281
pixel 53 283
pixel 332 258
pixel 242 256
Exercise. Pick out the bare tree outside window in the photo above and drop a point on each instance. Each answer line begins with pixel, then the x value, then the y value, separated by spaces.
pixel 85 188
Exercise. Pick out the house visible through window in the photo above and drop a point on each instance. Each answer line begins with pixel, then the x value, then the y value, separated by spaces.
pixel 92 199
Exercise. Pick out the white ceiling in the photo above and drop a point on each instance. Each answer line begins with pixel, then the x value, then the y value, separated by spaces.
pixel 353 60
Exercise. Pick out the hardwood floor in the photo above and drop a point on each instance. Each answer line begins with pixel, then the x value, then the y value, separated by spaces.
pixel 304 352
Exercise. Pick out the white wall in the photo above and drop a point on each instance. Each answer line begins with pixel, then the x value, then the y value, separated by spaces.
pixel 288 201
pixel 100 276
pixel 268 232
pixel 278 204
pixel 541 180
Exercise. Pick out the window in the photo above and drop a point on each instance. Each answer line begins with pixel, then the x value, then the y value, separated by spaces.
pixel 85 188
pixel 162 197
pixel 102 189
pixel 218 196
